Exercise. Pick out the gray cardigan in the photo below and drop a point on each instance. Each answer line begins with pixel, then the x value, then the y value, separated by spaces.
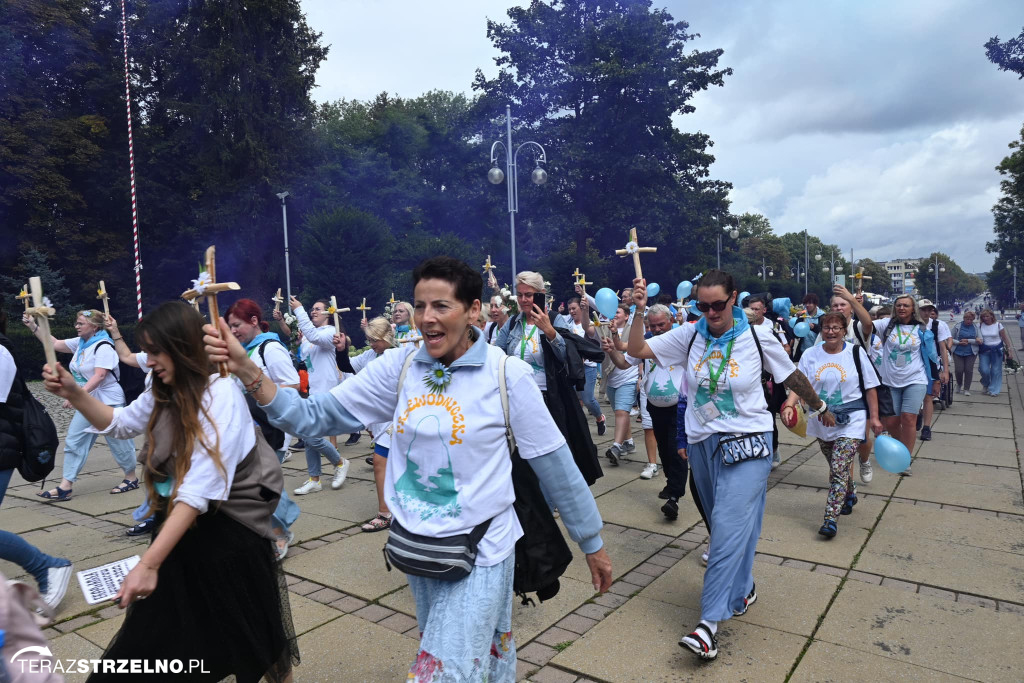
pixel 973 345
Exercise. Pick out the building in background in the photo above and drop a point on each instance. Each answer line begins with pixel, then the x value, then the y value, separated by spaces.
pixel 902 271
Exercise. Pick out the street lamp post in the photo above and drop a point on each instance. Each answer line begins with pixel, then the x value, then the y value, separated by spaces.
pixel 807 264
pixel 284 218
pixel 765 271
pixel 732 232
pixel 1011 264
pixel 936 267
pixel 835 265
pixel 798 270
pixel 539 176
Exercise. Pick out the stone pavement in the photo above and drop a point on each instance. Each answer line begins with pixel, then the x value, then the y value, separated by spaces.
pixel 925 580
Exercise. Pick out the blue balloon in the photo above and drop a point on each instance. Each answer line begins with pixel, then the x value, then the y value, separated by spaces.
pixel 653 289
pixel 607 302
pixel 683 289
pixel 743 297
pixel 781 306
pixel 792 322
pixel 891 454
pixel 801 329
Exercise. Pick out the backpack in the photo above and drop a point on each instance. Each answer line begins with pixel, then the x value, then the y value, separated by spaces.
pixel 542 555
pixel 132 380
pixel 273 435
pixel 38 433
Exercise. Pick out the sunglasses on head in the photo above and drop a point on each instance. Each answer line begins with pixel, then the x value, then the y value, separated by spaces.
pixel 719 306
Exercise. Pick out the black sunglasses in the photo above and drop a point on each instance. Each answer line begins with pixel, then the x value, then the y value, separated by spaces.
pixel 719 306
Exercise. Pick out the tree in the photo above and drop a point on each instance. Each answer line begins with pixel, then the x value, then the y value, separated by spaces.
pixel 598 85
pixel 1007 55
pixel 35 263
pixel 953 282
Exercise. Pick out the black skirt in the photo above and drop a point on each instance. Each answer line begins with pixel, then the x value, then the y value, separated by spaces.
pixel 220 598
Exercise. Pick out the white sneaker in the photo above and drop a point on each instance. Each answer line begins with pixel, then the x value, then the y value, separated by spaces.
pixel 340 472
pixel 966 393
pixel 309 487
pixel 57 579
pixel 704 557
pixel 650 470
pixel 287 457
pixel 634 411
pixel 866 471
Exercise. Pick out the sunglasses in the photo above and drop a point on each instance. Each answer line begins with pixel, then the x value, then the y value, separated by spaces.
pixel 719 306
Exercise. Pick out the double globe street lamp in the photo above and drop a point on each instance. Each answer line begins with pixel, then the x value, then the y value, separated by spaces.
pixel 936 268
pixel 539 176
pixel 830 265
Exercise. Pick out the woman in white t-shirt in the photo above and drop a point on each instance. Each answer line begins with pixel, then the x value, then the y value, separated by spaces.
pixel 449 469
pixel 579 310
pixel 837 369
pixel 94 367
pixel 317 350
pixel 990 358
pixel 245 318
pixel 729 430
pixel 621 387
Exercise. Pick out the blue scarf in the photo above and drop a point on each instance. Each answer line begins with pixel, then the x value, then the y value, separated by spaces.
pixel 401 329
pixel 740 326
pixel 97 337
pixel 260 338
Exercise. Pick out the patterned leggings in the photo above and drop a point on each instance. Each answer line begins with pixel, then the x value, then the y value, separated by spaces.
pixel 839 453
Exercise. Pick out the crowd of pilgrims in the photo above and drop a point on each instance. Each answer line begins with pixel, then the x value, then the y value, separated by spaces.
pixel 449 390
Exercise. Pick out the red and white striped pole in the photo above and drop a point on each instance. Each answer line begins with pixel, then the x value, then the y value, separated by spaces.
pixel 131 163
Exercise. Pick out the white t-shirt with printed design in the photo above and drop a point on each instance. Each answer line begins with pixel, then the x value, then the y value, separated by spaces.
pixel 531 351
pixel 902 364
pixel 661 385
pixel 617 377
pixel 83 366
pixel 449 468
pixel 834 378
pixel 739 397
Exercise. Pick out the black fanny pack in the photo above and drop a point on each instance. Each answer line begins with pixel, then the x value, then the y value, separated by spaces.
pixel 450 558
pixel 739 447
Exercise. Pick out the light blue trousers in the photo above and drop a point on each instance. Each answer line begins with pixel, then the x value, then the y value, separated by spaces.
pixel 733 497
pixel 990 365
pixel 78 442
pixel 287 509
pixel 315 447
pixel 587 395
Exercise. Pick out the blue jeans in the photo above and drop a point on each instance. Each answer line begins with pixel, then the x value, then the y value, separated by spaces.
pixel 733 498
pixel 908 399
pixel 78 442
pixel 990 365
pixel 315 447
pixel 622 398
pixel 14 549
pixel 587 395
pixel 287 510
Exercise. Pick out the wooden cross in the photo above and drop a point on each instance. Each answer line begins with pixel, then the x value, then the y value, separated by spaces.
pixel 42 315
pixel 406 340
pixel 210 290
pixel 860 277
pixel 488 267
pixel 277 301
pixel 634 248
pixel 582 282
pixel 363 307
pixel 101 293
pixel 392 300
pixel 334 310
pixel 24 296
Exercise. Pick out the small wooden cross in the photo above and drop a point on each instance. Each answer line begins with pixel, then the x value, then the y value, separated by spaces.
pixel 582 282
pixel 392 300
pixel 101 293
pixel 278 300
pixel 334 310
pixel 42 315
pixel 488 267
pixel 24 296
pixel 363 307
pixel 210 290
pixel 602 328
pixel 634 248
pixel 860 277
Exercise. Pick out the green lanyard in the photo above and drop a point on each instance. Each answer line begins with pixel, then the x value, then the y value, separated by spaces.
pixel 522 344
pixel 899 335
pixel 713 374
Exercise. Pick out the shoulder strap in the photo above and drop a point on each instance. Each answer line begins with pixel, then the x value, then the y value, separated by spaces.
pixel 692 339
pixel 503 390
pixel 856 364
pixel 935 328
pixel 405 371
pixel 760 353
pixel 263 345
pixel 116 371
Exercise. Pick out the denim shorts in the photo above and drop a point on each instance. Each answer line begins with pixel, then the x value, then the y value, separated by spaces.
pixel 622 398
pixel 908 399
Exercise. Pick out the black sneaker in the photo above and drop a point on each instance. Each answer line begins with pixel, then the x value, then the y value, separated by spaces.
pixel 369 460
pixel 353 439
pixel 602 427
pixel 671 509
pixel 614 454
pixel 747 602
pixel 665 493
pixel 926 433
pixel 299 445
pixel 142 528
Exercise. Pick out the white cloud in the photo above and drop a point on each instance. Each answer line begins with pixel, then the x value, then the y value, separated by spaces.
pixel 754 198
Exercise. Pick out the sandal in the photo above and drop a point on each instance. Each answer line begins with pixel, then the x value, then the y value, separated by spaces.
pixel 828 529
pixel 60 496
pixel 288 539
pixel 378 523
pixel 848 504
pixel 701 642
pixel 125 486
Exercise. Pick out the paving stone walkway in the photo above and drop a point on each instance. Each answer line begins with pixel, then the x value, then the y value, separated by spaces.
pixel 925 580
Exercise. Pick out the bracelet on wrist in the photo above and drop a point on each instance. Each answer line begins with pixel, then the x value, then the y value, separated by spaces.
pixel 254 386
pixel 118 338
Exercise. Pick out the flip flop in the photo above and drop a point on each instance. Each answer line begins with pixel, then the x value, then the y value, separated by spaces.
pixel 125 486
pixel 61 496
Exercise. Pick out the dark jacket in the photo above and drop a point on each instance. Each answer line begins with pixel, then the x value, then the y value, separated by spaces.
pixel 565 409
pixel 11 446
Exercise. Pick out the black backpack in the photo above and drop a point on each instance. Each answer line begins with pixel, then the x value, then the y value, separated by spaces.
pixel 273 435
pixel 132 380
pixel 38 433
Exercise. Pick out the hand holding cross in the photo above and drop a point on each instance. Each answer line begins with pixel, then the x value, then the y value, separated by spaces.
pixel 277 301
pixel 334 310
pixel 41 311
pixel 207 285
pixel 582 282
pixel 860 277
pixel 634 249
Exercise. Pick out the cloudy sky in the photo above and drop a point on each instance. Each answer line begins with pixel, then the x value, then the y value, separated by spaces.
pixel 875 125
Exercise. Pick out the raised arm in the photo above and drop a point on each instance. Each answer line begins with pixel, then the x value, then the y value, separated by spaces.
pixel 58 344
pixel 637 345
pixel 124 354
